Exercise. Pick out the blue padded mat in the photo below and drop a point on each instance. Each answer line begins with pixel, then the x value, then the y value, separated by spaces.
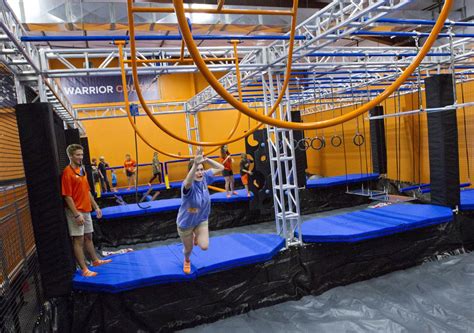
pixel 467 200
pixel 164 205
pixel 165 264
pixel 241 196
pixel 373 223
pixel 149 207
pixel 140 189
pixel 217 179
pixel 156 187
pixel 341 180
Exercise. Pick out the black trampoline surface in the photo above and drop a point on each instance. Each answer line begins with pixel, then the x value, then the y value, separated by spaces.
pixel 437 296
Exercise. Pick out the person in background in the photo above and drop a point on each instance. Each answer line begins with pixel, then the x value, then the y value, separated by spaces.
pixel 245 171
pixel 79 203
pixel 114 180
pixel 226 160
pixel 96 176
pixel 104 180
pixel 193 214
pixel 156 168
pixel 130 167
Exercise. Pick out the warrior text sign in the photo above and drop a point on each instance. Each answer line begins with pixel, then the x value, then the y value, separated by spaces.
pixel 107 89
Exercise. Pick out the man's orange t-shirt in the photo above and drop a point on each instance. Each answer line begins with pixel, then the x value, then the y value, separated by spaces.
pixel 76 186
pixel 130 165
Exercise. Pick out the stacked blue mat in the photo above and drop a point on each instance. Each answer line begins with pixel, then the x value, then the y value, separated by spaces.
pixel 467 200
pixel 341 180
pixel 165 205
pixel 165 264
pixel 373 222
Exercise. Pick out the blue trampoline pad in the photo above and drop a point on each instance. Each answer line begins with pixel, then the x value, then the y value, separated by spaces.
pixel 140 190
pixel 341 180
pixel 467 200
pixel 164 205
pixel 165 264
pixel 145 208
pixel 240 196
pixel 372 223
pixel 217 179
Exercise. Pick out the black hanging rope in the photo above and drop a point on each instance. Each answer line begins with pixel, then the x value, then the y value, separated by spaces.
pixel 137 167
pixel 465 131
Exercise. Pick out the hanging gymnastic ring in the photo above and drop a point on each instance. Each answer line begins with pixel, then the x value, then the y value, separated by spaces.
pixel 358 139
pixel 303 144
pixel 336 141
pixel 321 145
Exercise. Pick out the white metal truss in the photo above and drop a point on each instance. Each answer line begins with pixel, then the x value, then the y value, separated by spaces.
pixel 339 18
pixel 361 81
pixel 192 129
pixel 282 161
pixel 23 60
pixel 108 65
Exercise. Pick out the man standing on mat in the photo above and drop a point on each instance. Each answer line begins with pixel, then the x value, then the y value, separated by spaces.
pixel 104 180
pixel 79 203
pixel 195 207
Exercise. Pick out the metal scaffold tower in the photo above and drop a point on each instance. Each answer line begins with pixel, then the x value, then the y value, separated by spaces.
pixel 192 129
pixel 282 165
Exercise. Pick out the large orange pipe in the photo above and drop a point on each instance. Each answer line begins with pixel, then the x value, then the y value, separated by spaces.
pixel 120 45
pixel 199 143
pixel 193 50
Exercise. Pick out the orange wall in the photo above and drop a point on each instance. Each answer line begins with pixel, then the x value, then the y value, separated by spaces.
pixel 113 138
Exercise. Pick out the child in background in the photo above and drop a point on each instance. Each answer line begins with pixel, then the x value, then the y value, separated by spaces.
pixel 114 181
pixel 96 175
pixel 130 167
pixel 245 171
pixel 226 160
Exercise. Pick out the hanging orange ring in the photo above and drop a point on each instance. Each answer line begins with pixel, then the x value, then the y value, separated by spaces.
pixel 193 50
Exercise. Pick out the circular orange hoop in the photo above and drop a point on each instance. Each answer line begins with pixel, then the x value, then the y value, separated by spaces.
pixel 199 143
pixel 134 126
pixel 193 50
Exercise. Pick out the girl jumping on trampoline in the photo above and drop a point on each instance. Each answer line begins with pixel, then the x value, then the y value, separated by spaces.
pixel 195 207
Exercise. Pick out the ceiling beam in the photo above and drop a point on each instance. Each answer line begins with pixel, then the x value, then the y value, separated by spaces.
pixel 257 3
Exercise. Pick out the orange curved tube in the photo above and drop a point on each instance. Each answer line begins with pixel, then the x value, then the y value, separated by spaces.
pixel 200 143
pixel 193 50
pixel 120 45
pixel 217 189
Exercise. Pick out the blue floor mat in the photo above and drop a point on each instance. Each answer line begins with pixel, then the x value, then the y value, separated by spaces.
pixel 467 200
pixel 165 205
pixel 373 223
pixel 140 190
pixel 341 180
pixel 145 208
pixel 165 264
pixel 221 197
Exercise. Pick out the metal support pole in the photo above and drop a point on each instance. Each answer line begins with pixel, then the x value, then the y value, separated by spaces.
pixel 20 91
